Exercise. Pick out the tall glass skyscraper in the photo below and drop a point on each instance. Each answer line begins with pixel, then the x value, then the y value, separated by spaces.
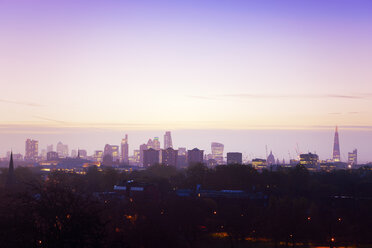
pixel 168 140
pixel 217 152
pixel 336 148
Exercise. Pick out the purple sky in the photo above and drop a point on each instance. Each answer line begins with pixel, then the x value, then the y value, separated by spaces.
pixel 247 70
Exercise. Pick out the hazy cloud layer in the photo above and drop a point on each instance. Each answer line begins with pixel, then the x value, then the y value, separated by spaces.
pixel 30 104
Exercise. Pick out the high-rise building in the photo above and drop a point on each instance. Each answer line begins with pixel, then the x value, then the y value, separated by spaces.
pixel 98 156
pixel 353 158
pixel 150 144
pixel 136 156
pixel 336 148
pixel 217 152
pixel 32 149
pixel 82 153
pixel 111 150
pixel 168 140
pixel 169 157
pixel 195 156
pixel 181 151
pixel 156 143
pixel 52 156
pixel 49 148
pixel 125 150
pixel 150 157
pixel 234 158
pixel 62 150
pixel 74 153
pixel 142 148
pixel 310 161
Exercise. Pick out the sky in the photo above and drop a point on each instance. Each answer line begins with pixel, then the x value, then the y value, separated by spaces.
pixel 230 71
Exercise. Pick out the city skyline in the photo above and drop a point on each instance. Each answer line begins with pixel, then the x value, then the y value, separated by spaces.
pixel 293 153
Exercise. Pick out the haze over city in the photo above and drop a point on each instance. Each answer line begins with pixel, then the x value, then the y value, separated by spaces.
pixel 209 71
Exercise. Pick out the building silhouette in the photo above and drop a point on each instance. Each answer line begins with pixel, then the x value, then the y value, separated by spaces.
pixel 336 148
pixel 234 158
pixel 10 178
pixel 310 161
pixel 217 152
pixel 259 163
pixel 270 159
pixel 195 156
pixel 82 153
pixel 52 156
pixel 168 140
pixel 125 150
pixel 142 148
pixel 31 150
pixel 62 150
pixel 150 157
pixel 169 157
pixel 111 150
pixel 353 158
pixel 156 143
pixel 98 155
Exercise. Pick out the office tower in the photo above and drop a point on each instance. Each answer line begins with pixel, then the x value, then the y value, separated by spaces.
pixel 62 150
pixel 125 150
pixel 310 161
pixel 259 163
pixel 169 157
pixel 150 144
pixel 195 156
pixel 142 148
pixel 271 159
pixel 156 143
pixel 111 150
pixel 234 158
pixel 98 156
pixel 52 156
pixel 137 156
pixel 10 179
pixel 336 148
pixel 115 153
pixel 49 148
pixel 217 152
pixel 43 154
pixel 353 158
pixel 181 151
pixel 74 153
pixel 150 157
pixel 168 140
pixel 82 154
pixel 32 150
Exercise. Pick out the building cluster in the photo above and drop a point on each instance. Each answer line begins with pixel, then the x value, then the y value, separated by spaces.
pixel 151 153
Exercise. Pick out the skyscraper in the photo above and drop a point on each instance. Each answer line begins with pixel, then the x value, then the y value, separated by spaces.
pixel 111 150
pixel 169 157
pixel 62 150
pixel 125 150
pixel 142 148
pixel 234 158
pixel 353 158
pixel 150 157
pixel 195 156
pixel 156 143
pixel 32 149
pixel 336 148
pixel 168 140
pixel 217 152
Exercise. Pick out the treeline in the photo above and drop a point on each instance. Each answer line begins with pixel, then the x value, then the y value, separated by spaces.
pixel 299 208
